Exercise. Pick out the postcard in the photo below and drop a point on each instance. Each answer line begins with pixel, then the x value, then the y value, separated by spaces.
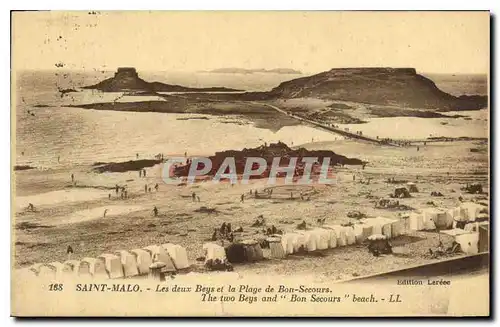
pixel 250 163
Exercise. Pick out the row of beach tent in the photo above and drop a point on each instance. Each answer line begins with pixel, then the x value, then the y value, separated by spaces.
pixel 326 237
pixel 467 223
pixel 435 218
pixel 121 264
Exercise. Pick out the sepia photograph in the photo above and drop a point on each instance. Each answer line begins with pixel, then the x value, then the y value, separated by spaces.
pixel 250 163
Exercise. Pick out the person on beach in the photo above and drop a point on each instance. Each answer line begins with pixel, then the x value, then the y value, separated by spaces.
pixel 155 211
pixel 140 173
pixel 137 155
pixel 125 194
pixel 105 211
pixel 156 187
pixel 250 192
pixel 144 172
pixel 198 198
pixel 72 178
pixel 145 188
pixel 69 251
pixel 242 199
pixel 149 189
pixel 193 196
pixel 58 158
pixel 31 207
pixel 109 196
pixel 116 188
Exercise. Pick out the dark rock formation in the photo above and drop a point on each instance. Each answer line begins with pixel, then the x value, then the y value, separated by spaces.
pixel 127 79
pixel 383 86
pixel 120 167
pixel 270 152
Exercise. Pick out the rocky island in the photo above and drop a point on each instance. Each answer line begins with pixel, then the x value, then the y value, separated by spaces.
pixel 127 79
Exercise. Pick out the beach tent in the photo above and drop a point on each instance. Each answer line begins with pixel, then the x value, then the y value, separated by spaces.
pixel 397 227
pixel 178 255
pixel 287 242
pixel 49 270
pixel 113 265
pixel 253 250
pixel 93 267
pixel 412 187
pixel 434 218
pixel 350 236
pixel 468 242
pixel 339 232
pixel 311 240
pixel 213 252
pixel 472 210
pixel 362 231
pixel 416 221
pixel 143 259
pixel 375 224
pixel 276 247
pixel 387 228
pixel 236 253
pixel 159 254
pixel 324 238
pixel 298 242
pixel 70 268
pixel 129 263
pixel 332 238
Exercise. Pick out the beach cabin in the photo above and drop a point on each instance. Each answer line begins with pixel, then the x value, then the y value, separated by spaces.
pixel 113 265
pixel 159 254
pixel 178 255
pixel 143 259
pixel 129 263
pixel 213 252
pixel 92 267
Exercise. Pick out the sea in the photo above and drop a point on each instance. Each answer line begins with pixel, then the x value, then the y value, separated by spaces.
pixel 59 135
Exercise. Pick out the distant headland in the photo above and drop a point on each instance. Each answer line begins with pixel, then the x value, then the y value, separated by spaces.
pixel 233 70
pixel 127 79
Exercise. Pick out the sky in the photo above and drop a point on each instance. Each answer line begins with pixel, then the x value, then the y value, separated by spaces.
pixel 432 42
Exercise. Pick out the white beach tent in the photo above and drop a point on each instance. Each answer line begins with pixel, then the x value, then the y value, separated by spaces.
pixel 49 270
pixel 159 254
pixel 311 240
pixel 332 238
pixel 324 238
pixel 113 265
pixel 214 251
pixel 469 242
pixel 93 267
pixel 362 231
pixel 416 221
pixel 276 247
pixel 339 232
pixel 298 242
pixel 397 227
pixel 70 268
pixel 287 242
pixel 143 259
pixel 129 263
pixel 178 255
pixel 472 210
pixel 350 235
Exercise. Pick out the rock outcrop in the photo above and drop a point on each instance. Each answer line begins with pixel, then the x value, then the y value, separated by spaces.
pixel 269 152
pixel 381 86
